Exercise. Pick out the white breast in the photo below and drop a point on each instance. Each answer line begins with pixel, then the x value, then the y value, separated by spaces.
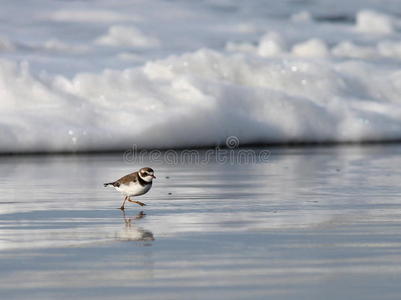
pixel 133 189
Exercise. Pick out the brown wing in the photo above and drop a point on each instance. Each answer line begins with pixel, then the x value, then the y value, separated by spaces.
pixel 133 177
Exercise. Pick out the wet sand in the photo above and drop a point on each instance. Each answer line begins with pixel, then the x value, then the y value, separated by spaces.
pixel 310 223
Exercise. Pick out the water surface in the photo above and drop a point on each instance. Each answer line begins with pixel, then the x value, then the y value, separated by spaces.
pixel 310 223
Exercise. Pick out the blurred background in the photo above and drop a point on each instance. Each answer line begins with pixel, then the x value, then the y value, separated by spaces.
pixel 100 75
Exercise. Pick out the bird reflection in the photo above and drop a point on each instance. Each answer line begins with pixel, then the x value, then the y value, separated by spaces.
pixel 132 232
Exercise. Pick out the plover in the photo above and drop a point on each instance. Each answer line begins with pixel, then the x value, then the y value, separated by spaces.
pixel 134 184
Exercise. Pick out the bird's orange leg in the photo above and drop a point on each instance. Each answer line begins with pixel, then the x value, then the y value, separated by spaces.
pixel 137 202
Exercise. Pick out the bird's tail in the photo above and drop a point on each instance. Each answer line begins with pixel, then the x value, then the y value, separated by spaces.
pixel 110 183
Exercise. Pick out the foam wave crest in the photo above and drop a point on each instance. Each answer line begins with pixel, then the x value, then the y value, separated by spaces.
pixel 199 99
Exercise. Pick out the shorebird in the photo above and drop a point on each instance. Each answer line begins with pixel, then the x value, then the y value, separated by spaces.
pixel 134 184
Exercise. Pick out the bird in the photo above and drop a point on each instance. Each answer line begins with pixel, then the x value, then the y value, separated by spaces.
pixel 134 184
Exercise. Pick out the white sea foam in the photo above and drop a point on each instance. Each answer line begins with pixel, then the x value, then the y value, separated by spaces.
pixel 374 22
pixel 91 16
pixel 127 37
pixel 6 44
pixel 59 46
pixel 311 48
pixel 274 81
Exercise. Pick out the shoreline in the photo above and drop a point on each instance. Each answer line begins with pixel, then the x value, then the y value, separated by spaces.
pixel 277 145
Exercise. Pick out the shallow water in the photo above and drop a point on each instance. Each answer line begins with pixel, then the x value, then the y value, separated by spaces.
pixel 310 223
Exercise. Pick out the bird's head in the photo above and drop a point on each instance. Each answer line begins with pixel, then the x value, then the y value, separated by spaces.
pixel 147 174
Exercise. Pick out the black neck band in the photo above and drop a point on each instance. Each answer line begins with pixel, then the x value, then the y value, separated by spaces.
pixel 142 181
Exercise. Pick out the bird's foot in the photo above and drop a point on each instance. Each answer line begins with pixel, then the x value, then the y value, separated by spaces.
pixel 122 208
